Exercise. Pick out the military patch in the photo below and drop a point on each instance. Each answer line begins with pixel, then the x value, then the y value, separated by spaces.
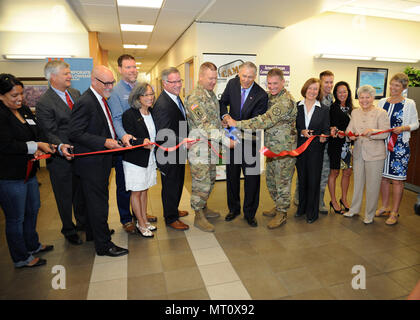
pixel 276 111
pixel 194 106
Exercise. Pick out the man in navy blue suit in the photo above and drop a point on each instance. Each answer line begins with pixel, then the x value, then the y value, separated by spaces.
pixel 246 100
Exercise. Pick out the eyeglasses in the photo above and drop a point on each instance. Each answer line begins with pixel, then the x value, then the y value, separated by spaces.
pixel 147 95
pixel 177 81
pixel 106 83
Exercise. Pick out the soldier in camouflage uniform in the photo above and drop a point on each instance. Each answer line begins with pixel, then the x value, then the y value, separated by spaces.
pixel 279 123
pixel 203 115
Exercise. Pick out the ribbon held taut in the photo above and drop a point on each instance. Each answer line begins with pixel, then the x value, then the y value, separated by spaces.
pixel 296 152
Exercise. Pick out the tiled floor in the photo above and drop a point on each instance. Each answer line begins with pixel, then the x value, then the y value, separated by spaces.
pixel 296 261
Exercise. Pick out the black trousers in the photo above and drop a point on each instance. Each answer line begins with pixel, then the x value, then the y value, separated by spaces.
pixel 309 167
pixel 172 177
pixel 251 183
pixel 95 182
pixel 68 194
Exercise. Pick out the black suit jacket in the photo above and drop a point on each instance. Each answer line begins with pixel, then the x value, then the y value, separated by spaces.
pixel 167 115
pixel 88 132
pixel 255 104
pixel 13 137
pixel 320 123
pixel 54 115
pixel 134 124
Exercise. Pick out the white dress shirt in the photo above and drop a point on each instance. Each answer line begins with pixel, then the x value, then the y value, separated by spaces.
pixel 99 97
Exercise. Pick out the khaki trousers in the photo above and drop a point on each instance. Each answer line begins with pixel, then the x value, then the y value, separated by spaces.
pixel 367 173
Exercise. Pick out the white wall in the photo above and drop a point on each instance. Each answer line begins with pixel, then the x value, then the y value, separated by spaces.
pixel 182 51
pixel 39 27
pixel 329 33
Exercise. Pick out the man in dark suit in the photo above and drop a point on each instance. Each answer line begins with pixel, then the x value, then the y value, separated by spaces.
pixel 169 113
pixel 91 129
pixel 246 100
pixel 53 111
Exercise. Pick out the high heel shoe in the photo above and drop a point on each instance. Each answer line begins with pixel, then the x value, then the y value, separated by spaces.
pixel 345 208
pixel 336 211
pixel 150 226
pixel 145 232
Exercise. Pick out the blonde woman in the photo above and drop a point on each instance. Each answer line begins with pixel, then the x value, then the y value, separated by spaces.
pixel 402 113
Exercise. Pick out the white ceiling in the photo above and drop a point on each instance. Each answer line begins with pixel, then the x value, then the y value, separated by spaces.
pixel 175 16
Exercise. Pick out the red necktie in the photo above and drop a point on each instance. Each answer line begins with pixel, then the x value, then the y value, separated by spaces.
pixel 391 142
pixel 69 102
pixel 109 116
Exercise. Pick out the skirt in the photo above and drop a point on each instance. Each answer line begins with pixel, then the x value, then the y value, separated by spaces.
pixel 138 178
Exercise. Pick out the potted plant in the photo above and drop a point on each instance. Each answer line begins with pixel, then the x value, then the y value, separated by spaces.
pixel 413 76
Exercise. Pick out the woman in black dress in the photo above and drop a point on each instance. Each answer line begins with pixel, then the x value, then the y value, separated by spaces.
pixel 339 147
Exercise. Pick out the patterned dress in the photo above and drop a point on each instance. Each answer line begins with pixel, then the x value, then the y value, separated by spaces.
pixel 396 162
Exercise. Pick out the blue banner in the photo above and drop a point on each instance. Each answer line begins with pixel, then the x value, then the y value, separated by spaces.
pixel 80 71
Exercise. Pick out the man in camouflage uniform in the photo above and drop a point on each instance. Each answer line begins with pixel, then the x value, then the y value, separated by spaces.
pixel 279 123
pixel 203 115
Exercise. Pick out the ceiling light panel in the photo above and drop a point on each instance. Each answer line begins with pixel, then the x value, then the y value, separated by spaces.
pixel 135 46
pixel 140 3
pixel 137 27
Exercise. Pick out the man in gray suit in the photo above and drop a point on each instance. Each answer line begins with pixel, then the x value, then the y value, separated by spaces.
pixel 53 111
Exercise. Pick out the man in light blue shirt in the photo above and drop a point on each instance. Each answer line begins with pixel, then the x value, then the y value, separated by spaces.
pixel 118 103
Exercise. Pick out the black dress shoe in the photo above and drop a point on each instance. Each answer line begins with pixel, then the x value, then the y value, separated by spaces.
pixel 80 228
pixel 231 215
pixel 297 215
pixel 311 220
pixel 114 251
pixel 252 222
pixel 74 239
pixel 47 248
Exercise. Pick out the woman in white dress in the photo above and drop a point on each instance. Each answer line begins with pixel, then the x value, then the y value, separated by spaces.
pixel 140 164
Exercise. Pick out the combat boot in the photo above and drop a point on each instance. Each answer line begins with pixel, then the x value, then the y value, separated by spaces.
pixel 200 221
pixel 278 220
pixel 270 213
pixel 210 213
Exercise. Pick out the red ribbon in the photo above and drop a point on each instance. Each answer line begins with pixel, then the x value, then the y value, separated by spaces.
pixel 48 155
pixel 296 152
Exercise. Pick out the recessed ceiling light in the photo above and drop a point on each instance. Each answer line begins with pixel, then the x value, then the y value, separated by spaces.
pixel 135 46
pixel 137 27
pixel 140 3
pixel 397 60
pixel 32 56
pixel 413 10
pixel 342 56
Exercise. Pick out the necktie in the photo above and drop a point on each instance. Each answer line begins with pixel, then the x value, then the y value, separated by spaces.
pixel 109 117
pixel 69 102
pixel 180 106
pixel 243 91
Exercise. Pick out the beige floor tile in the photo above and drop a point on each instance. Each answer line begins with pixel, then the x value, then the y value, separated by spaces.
pixel 209 256
pixel 265 286
pixel 109 271
pixel 318 294
pixel 384 288
pixel 218 273
pixel 345 291
pixel 146 287
pixel 175 261
pixel 183 280
pixel 198 294
pixel 407 278
pixel 204 241
pixel 144 266
pixel 108 290
pixel 228 291
pixel 406 255
pixel 170 246
pixel 384 261
pixel 299 280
